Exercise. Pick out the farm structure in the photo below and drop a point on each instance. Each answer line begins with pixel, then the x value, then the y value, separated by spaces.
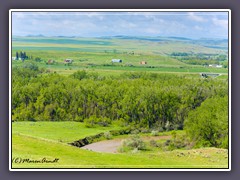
pixel 143 62
pixel 68 61
pixel 215 65
pixel 206 75
pixel 116 60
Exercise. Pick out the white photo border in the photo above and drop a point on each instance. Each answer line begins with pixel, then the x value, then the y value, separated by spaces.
pixel 119 10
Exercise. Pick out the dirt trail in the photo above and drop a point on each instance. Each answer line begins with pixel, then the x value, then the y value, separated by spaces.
pixel 111 146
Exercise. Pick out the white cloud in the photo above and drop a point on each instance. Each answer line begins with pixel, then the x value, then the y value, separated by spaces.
pixel 154 31
pixel 220 22
pixel 194 17
pixel 198 28
pixel 126 24
pixel 19 15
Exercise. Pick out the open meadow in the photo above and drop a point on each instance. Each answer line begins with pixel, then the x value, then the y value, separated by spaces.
pixel 36 141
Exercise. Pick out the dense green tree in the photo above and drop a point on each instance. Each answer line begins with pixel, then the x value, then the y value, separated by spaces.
pixel 208 124
pixel 156 101
pixel 17 55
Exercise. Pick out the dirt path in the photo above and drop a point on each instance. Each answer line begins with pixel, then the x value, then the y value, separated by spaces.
pixel 111 146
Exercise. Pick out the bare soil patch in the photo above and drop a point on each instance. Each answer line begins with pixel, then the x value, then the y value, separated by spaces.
pixel 111 146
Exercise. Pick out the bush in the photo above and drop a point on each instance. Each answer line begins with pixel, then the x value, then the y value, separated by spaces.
pixel 31 66
pixel 104 121
pixel 38 59
pixel 177 142
pixel 144 130
pixel 90 122
pixel 93 121
pixel 79 74
pixel 108 135
pixel 153 143
pixel 135 131
pixel 135 142
pixel 154 133
pixel 160 129
pixel 168 126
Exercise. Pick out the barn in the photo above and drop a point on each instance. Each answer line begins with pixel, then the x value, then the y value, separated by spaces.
pixel 116 60
pixel 215 65
pixel 68 61
pixel 143 62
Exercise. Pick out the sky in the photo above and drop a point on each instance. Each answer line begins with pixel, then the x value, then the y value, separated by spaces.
pixel 97 24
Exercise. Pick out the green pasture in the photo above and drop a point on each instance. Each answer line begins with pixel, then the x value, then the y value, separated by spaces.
pixel 159 46
pixel 42 141
pixel 58 131
pixel 117 69
pixel 96 54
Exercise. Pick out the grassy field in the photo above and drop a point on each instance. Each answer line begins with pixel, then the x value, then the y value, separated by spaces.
pixel 95 54
pixel 143 45
pixel 41 140
pixel 58 131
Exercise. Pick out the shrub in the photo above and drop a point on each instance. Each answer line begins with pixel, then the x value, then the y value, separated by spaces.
pixel 144 130
pixel 160 129
pixel 108 135
pixel 177 142
pixel 135 150
pixel 154 133
pixel 168 126
pixel 153 143
pixel 31 66
pixel 135 131
pixel 38 59
pixel 79 74
pixel 103 121
pixel 90 122
pixel 93 121
pixel 135 142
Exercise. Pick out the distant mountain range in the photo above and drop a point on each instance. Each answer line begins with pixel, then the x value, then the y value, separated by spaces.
pixel 206 42
pixel 151 38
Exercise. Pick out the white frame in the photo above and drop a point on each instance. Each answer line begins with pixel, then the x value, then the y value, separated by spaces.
pixel 118 10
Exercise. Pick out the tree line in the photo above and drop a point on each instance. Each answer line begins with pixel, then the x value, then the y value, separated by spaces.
pixel 142 100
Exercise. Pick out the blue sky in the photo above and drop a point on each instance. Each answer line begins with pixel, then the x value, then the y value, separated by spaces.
pixel 95 24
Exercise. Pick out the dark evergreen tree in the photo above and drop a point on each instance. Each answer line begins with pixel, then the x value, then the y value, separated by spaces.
pixel 17 56
pixel 21 54
pixel 24 55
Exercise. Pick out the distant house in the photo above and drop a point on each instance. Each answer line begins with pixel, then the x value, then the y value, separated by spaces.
pixel 215 65
pixel 116 60
pixel 14 58
pixel 143 62
pixel 68 61
pixel 219 66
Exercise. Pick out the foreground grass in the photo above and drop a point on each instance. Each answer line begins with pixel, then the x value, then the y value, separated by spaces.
pixel 72 157
pixel 57 131
pixel 39 140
